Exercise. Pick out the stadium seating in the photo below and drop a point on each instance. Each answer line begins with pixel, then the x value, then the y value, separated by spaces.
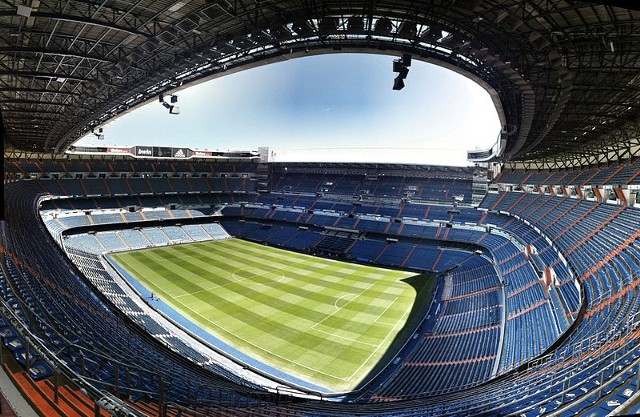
pixel 431 189
pixel 624 173
pixel 93 337
pixel 460 350
pixel 463 346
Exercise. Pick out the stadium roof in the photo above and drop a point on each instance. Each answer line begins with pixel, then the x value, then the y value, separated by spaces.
pixel 565 75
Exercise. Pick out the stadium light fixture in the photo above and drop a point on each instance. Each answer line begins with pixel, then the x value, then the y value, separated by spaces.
pixel 401 66
pixel 398 84
pixel 99 133
pixel 172 107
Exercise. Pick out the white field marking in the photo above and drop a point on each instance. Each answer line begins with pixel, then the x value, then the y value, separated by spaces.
pixel 359 341
pixel 346 304
pixel 253 271
pixel 346 338
pixel 261 274
pixel 386 322
pixel 269 287
pixel 335 304
pixel 385 310
pixel 235 281
pixel 263 349
pixel 378 348
pixel 250 254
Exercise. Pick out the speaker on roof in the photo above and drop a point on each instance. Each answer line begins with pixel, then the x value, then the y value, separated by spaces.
pixel 406 60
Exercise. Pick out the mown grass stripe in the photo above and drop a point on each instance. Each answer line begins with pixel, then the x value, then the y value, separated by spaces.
pixel 321 320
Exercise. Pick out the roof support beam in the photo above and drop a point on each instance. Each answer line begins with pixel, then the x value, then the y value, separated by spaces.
pixel 31 102
pixel 40 51
pixel 36 91
pixel 78 19
pixel 35 74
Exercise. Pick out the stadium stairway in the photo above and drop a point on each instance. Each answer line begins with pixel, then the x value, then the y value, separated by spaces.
pixel 42 396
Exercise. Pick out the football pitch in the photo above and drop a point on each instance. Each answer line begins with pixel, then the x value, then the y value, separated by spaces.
pixel 324 321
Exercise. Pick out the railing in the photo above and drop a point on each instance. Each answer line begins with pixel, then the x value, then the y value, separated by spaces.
pixel 102 399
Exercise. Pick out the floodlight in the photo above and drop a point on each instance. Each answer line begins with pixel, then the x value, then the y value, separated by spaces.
pixel 398 84
pixel 401 67
pixel 98 133
pixel 173 109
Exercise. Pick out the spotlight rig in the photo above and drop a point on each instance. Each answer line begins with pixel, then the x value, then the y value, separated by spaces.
pixel 173 107
pixel 401 66
pixel 98 133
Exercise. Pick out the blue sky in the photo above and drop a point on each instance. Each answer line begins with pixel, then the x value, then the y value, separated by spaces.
pixel 336 107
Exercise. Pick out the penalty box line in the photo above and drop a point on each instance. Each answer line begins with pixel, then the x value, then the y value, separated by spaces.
pixel 376 321
pixel 381 344
pixel 343 306
pixel 233 334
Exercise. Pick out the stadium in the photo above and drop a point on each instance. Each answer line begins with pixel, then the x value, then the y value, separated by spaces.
pixel 171 281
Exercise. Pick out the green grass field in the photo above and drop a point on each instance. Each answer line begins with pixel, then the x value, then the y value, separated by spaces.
pixel 324 321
